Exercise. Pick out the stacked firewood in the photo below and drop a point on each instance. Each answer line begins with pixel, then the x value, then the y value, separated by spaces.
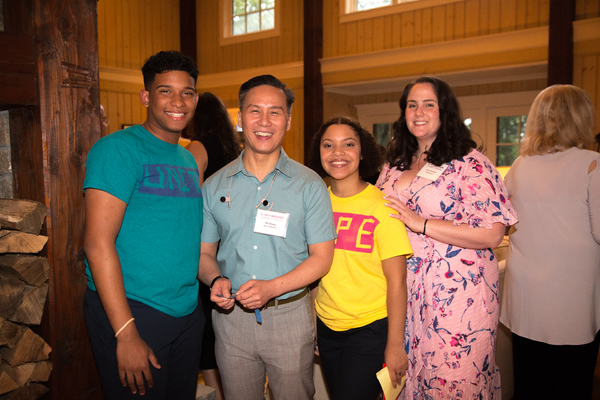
pixel 23 291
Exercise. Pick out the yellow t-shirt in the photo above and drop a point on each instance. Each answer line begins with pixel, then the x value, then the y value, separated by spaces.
pixel 353 293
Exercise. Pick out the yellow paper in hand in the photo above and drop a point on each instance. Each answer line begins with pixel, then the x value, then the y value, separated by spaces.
pixel 386 384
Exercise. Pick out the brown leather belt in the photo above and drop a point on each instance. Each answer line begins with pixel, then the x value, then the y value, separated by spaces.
pixel 275 302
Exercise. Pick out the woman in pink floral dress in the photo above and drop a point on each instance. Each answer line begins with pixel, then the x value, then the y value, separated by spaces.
pixel 455 207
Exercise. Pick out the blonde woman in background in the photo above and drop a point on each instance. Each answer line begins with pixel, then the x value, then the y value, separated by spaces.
pixel 551 298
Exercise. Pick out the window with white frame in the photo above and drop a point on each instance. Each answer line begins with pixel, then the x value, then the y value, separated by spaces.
pixel 353 10
pixel 244 20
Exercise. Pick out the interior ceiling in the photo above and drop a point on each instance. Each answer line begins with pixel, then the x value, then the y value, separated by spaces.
pixel 454 79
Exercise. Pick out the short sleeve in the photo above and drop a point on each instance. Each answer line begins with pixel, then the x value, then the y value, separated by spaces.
pixel 318 224
pixel 113 167
pixel 484 199
pixel 392 239
pixel 594 200
pixel 210 232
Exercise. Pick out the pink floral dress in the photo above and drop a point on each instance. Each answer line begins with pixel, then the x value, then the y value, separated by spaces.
pixel 453 306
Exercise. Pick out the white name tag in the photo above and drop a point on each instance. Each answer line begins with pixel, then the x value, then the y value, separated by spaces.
pixel 431 172
pixel 272 223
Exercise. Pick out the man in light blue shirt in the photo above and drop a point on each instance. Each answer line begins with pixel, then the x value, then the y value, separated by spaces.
pixel 268 233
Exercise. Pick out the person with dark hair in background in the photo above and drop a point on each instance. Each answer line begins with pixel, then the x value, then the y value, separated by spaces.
pixel 551 299
pixel 213 134
pixel 454 204
pixel 141 242
pixel 268 233
pixel 361 303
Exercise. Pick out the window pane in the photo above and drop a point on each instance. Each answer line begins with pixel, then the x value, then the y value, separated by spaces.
pixel 508 129
pixel 506 155
pixel 265 4
pixel 253 23
pixel 239 7
pixel 381 133
pixel 368 4
pixel 239 25
pixel 523 124
pixel 252 5
pixel 267 20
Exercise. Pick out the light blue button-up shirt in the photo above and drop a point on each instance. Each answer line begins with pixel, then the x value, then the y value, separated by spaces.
pixel 244 254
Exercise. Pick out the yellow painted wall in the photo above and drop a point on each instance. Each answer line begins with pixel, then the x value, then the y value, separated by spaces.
pixel 282 49
pixel 130 31
pixel 264 55
pixel 428 25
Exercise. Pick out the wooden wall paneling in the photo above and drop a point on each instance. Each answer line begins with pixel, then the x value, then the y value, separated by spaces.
pixel 113 111
pixel 544 15
pixel 418 28
pixel 102 30
pixel 592 8
pixel 533 13
pixel 126 24
pixel 589 76
pixel 149 29
pixel 120 54
pixel 299 32
pixel 121 109
pixel 494 16
pixel 426 23
pixel 459 20
pixel 472 18
pixel 341 39
pixel 438 24
pixel 396 31
pixel 66 33
pixel 378 34
pixel 110 34
pixel 134 35
pixel 484 17
pixel 369 35
pixel 387 32
pixel 128 109
pixel 360 36
pixel 521 11
pixel 408 28
pixel 449 22
pixel 508 15
pixel 351 38
pixel 328 28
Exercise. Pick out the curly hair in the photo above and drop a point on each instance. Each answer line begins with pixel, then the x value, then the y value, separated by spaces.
pixel 211 120
pixel 453 139
pixel 268 80
pixel 561 116
pixel 166 61
pixel 371 158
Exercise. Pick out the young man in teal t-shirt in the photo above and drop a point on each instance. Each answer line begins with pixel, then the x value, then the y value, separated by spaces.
pixel 141 242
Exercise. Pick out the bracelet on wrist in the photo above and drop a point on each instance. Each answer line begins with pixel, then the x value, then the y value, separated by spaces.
pixel 425 226
pixel 216 278
pixel 124 326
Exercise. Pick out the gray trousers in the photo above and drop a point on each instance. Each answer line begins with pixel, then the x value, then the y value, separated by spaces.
pixel 282 347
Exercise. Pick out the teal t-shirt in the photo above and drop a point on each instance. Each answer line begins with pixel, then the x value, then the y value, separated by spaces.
pixel 159 240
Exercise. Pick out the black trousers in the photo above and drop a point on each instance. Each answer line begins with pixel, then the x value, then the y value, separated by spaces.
pixel 545 371
pixel 350 359
pixel 175 342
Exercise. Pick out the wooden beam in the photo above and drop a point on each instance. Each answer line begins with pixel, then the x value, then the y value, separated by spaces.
pixel 18 84
pixel 560 42
pixel 187 28
pixel 313 86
